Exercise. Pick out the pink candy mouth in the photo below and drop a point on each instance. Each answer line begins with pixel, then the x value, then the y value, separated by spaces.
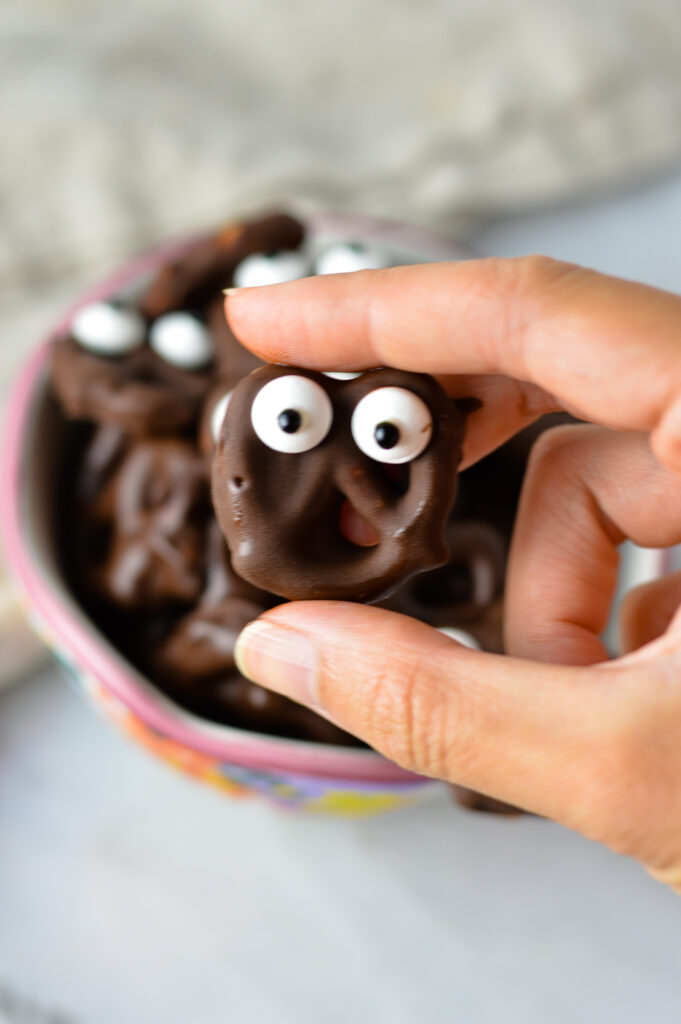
pixel 356 529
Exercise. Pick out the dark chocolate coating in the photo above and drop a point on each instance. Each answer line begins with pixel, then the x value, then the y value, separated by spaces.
pixel 280 512
pixel 200 274
pixel 196 666
pixel 221 582
pixel 103 453
pixel 232 360
pixel 151 517
pixel 249 706
pixel 232 363
pixel 206 440
pixel 140 392
pixel 459 592
pixel 201 645
pixel 167 595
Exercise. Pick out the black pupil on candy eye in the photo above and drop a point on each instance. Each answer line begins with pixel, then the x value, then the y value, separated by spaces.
pixel 272 254
pixel 387 435
pixel 289 420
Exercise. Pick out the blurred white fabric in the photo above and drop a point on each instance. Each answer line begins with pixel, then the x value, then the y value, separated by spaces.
pixel 125 122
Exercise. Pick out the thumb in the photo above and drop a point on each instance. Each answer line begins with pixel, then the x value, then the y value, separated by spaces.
pixel 529 734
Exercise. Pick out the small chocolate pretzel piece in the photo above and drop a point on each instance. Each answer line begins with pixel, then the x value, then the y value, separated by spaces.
pixel 296 445
pixel 462 590
pixel 152 513
pixel 200 274
pixel 139 391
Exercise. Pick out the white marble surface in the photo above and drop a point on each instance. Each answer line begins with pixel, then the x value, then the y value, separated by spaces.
pixel 128 893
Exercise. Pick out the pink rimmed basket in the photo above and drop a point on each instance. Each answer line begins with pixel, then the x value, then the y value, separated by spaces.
pixel 292 773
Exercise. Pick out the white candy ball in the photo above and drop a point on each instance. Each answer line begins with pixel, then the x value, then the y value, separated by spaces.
pixel 399 412
pixel 291 414
pixel 341 374
pixel 108 330
pixel 461 637
pixel 343 259
pixel 271 268
pixel 182 340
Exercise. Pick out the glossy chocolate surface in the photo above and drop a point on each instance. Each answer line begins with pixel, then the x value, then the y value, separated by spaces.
pixel 196 277
pixel 148 522
pixel 140 392
pixel 196 663
pixel 463 589
pixel 280 511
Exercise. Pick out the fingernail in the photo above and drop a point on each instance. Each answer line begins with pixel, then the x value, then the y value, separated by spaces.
pixel 279 658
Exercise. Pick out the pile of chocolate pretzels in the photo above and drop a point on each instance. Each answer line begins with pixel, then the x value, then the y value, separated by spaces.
pixel 206 487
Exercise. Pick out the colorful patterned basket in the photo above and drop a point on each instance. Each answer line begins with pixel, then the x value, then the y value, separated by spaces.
pixel 291 773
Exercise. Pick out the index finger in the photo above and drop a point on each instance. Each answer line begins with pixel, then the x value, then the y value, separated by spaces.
pixel 606 349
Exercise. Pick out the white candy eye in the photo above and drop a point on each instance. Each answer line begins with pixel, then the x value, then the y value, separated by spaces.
pixel 391 425
pixel 461 637
pixel 291 414
pixel 342 259
pixel 108 330
pixel 182 340
pixel 341 374
pixel 217 417
pixel 271 268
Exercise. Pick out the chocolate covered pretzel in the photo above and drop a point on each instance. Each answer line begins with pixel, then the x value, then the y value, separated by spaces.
pixel 112 367
pixel 196 277
pixel 195 660
pixel 462 590
pixel 147 525
pixel 296 445
pixel 198 653
pixel 146 367
pixel 232 360
pixel 196 664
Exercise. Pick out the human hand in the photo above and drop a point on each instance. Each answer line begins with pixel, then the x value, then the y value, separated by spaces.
pixel 594 744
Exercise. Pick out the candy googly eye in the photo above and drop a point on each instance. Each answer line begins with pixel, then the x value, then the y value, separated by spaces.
pixel 271 268
pixel 342 259
pixel 341 374
pixel 391 425
pixel 291 414
pixel 461 637
pixel 182 340
pixel 217 417
pixel 106 329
